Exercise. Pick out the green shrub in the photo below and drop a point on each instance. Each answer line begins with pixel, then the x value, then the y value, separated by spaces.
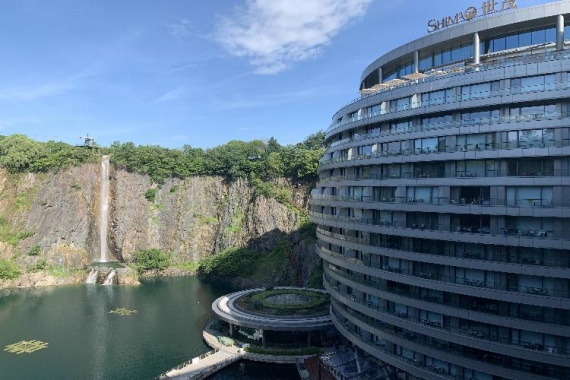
pixel 35 250
pixel 150 194
pixel 8 270
pixel 230 263
pixel 40 265
pixel 151 259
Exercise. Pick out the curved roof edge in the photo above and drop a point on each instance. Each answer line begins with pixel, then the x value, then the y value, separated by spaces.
pixel 499 20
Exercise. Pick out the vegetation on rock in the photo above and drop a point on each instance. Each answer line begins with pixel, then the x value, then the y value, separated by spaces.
pixel 150 259
pixel 8 270
pixel 19 153
pixel 236 159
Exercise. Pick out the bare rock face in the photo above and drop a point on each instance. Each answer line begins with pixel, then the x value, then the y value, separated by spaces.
pixel 193 218
pixel 58 215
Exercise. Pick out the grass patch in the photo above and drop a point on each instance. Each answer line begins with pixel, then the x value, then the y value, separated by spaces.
pixel 259 301
pixel 187 266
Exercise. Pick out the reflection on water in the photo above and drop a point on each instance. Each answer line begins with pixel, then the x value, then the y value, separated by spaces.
pixel 86 342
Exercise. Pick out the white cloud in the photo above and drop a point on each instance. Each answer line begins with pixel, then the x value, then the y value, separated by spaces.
pixel 180 29
pixel 170 96
pixel 35 92
pixel 274 34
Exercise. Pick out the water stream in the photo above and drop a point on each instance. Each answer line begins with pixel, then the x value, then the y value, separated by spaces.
pixel 104 212
pixel 92 277
pixel 110 277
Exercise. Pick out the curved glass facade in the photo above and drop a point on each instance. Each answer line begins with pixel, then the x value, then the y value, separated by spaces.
pixel 443 205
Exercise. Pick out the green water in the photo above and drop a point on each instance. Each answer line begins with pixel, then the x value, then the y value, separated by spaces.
pixel 86 342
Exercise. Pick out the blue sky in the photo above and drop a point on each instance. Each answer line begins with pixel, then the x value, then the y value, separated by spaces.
pixel 195 72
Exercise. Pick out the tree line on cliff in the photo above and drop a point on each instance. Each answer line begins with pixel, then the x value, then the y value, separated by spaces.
pixel 236 159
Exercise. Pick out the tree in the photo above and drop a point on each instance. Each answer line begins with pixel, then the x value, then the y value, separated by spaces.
pixel 151 259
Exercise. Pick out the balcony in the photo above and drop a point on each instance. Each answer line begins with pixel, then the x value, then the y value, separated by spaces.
pixel 465 148
pixel 479 333
pixel 424 346
pixel 535 117
pixel 436 275
pixel 454 232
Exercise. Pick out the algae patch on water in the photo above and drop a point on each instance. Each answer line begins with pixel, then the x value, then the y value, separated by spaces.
pixel 26 346
pixel 123 311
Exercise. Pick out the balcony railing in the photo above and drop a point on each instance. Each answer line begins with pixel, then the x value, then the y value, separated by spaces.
pixel 436 345
pixel 507 231
pixel 451 149
pixel 447 201
pixel 457 280
pixel 486 121
pixel 476 332
pixel 482 67
pixel 489 256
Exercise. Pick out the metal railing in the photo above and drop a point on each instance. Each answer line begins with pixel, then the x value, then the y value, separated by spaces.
pixel 506 231
pixel 462 148
pixel 477 331
pixel 455 280
pixel 505 62
pixel 453 201
pixel 434 344
pixel 490 256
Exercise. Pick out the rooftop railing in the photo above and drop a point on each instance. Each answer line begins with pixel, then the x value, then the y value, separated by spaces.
pixel 500 63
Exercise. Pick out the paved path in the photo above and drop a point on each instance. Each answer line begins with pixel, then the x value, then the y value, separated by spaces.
pixel 204 367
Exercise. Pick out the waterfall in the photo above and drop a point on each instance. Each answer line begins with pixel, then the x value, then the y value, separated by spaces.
pixel 104 214
pixel 110 277
pixel 92 277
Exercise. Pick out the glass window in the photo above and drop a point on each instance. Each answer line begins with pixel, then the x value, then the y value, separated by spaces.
pixel 550 35
pixel 446 57
pixel 426 63
pixel 512 41
pixel 437 59
pixel 436 97
pixel 538 37
pixel 402 104
pixel 525 39
pixel 499 44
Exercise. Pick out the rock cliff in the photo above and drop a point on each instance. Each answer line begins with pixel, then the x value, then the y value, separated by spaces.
pixel 57 215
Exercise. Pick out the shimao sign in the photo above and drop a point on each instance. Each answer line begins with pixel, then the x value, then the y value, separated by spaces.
pixel 487 8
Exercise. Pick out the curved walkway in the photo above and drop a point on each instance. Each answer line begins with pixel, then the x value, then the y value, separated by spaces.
pixel 225 309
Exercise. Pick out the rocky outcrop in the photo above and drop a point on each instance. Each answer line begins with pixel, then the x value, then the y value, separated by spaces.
pixel 192 218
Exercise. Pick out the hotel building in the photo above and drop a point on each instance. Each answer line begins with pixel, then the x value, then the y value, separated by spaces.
pixel 443 204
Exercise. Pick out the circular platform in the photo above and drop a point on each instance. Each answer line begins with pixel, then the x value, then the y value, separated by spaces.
pixel 289 303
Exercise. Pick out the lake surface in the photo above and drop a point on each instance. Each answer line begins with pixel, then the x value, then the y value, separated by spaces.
pixel 88 342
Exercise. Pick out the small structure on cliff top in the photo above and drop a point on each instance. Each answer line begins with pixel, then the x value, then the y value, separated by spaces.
pixel 89 142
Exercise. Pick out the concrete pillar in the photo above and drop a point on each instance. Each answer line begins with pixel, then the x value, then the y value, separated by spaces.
pixel 231 330
pixel 380 75
pixel 262 338
pixel 308 339
pixel 476 49
pixel 560 32
pixel 416 61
